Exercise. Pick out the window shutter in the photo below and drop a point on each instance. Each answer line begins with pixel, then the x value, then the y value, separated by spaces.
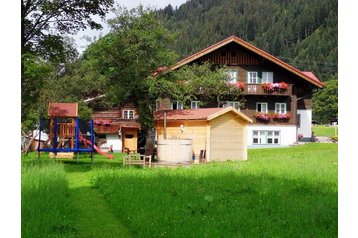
pixel 259 75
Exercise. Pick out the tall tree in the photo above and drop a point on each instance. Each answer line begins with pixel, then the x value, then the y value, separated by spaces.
pixel 45 22
pixel 131 52
pixel 44 44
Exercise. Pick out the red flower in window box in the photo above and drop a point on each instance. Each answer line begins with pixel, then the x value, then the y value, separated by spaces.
pixel 278 116
pixel 283 85
pixel 269 87
pixel 262 116
pixel 239 85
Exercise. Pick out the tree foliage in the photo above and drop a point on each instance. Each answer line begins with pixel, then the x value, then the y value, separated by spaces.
pixel 35 71
pixel 131 52
pixel 45 22
pixel 202 82
pixel 325 102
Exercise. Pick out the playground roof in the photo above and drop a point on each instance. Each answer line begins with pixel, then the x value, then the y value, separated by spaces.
pixel 62 109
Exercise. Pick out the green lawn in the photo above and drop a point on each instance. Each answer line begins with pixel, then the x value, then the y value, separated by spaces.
pixel 322 130
pixel 282 192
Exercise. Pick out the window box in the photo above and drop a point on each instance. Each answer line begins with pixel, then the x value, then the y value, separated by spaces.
pixel 281 116
pixel 270 87
pixel 262 116
pixel 239 85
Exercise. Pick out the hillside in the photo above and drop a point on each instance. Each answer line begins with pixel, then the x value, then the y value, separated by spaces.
pixel 300 32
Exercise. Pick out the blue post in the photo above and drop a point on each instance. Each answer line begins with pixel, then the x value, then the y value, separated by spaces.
pixel 55 136
pixel 92 135
pixel 77 133
pixel 92 139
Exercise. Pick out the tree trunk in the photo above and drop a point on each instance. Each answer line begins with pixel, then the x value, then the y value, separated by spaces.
pixel 149 144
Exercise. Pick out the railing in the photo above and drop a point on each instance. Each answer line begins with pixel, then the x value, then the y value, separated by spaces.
pixel 66 129
pixel 256 89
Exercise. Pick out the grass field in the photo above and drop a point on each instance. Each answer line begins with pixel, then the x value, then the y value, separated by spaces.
pixel 282 192
pixel 322 130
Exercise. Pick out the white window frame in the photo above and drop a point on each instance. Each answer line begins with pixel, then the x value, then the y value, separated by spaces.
pixel 232 79
pixel 234 104
pixel 253 77
pixel 257 106
pixel 194 104
pixel 126 114
pixel 281 108
pixel 179 105
pixel 267 77
pixel 263 137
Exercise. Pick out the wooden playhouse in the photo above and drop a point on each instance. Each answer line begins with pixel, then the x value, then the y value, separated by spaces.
pixel 220 132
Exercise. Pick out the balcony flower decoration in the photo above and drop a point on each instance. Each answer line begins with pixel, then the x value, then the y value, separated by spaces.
pixel 283 85
pixel 278 116
pixel 262 116
pixel 239 85
pixel 270 87
pixel 267 87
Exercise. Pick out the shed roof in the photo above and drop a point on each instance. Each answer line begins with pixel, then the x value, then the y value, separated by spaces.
pixel 206 114
pixel 308 76
pixel 63 109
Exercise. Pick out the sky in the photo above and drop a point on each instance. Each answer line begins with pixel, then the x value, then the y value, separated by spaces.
pixel 80 38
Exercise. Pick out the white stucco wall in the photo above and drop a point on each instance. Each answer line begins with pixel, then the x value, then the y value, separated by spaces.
pixel 305 128
pixel 115 141
pixel 287 134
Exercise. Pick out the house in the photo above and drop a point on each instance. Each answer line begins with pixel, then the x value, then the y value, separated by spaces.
pixel 278 96
pixel 118 127
pixel 221 132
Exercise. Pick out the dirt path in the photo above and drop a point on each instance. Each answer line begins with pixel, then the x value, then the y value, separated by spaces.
pixel 94 217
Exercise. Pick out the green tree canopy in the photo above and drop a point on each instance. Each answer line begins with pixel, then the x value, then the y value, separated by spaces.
pixel 45 22
pixel 325 102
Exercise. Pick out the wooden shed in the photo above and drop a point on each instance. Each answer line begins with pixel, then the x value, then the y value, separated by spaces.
pixel 222 132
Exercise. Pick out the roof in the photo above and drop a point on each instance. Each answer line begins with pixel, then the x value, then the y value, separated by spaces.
pixel 308 76
pixel 206 114
pixel 63 109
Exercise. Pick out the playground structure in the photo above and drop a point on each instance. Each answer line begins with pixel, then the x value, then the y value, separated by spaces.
pixel 67 134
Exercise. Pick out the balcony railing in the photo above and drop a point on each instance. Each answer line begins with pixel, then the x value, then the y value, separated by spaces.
pixel 256 89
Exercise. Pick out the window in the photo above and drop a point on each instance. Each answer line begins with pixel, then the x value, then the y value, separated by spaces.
pixel 223 53
pixel 232 75
pixel 252 77
pixel 234 104
pixel 194 104
pixel 128 114
pixel 280 108
pixel 267 77
pixel 262 107
pixel 266 137
pixel 176 105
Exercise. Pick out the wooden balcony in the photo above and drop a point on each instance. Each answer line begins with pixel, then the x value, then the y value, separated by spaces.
pixel 256 89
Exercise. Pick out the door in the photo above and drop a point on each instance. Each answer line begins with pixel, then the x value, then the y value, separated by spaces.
pixel 130 138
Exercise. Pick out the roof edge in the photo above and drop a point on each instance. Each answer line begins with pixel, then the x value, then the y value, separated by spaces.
pixel 229 109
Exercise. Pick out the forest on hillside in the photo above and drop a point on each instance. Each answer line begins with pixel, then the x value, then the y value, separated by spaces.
pixel 303 33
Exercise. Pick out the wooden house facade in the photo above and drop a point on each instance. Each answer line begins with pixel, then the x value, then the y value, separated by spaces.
pixel 118 127
pixel 278 96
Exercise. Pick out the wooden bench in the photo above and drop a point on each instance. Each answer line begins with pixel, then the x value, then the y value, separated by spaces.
pixel 137 159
